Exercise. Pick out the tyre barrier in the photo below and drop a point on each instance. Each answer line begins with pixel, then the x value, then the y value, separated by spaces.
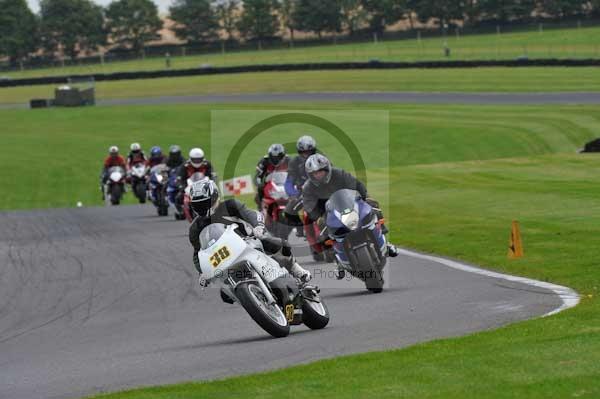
pixel 327 66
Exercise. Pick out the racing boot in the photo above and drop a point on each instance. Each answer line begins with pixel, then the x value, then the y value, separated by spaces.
pixel 300 273
pixel 392 250
pixel 226 298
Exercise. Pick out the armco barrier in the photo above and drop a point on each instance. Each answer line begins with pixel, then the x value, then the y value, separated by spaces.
pixel 303 67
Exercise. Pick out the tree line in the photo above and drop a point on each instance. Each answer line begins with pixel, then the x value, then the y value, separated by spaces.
pixel 74 27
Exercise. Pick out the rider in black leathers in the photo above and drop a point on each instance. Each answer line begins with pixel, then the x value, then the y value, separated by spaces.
pixel 209 209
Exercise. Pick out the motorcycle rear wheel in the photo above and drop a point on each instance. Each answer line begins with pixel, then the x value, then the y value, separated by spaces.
pixel 269 317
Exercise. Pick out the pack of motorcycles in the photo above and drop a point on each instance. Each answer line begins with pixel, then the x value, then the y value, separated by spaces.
pixel 350 236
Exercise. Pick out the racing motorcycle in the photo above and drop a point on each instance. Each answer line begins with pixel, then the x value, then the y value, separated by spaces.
pixel 273 204
pixel 187 209
pixel 173 193
pixel 250 277
pixel 357 238
pixel 138 181
pixel 159 177
pixel 115 185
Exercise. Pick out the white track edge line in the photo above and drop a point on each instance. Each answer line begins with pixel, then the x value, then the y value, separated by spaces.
pixel 570 298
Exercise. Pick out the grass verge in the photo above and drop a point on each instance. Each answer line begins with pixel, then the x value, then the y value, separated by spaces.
pixel 507 80
pixel 459 176
pixel 554 43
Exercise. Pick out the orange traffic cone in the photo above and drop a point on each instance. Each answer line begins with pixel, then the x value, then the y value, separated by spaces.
pixel 515 245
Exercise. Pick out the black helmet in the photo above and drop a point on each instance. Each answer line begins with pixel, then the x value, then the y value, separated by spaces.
pixel 276 153
pixel 204 197
pixel 175 150
pixel 315 164
pixel 306 146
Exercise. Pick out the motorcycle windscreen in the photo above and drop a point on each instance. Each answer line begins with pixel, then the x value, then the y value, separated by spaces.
pixel 220 247
pixel 278 178
pixel 342 201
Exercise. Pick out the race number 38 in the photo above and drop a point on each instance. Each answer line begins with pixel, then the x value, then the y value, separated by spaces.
pixel 219 256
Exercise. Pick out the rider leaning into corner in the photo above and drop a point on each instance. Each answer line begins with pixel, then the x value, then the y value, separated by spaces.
pixel 205 202
pixel 323 181
pixel 275 160
pixel 113 159
pixel 306 146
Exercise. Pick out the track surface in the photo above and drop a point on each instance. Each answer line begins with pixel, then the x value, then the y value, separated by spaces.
pixel 103 299
pixel 375 97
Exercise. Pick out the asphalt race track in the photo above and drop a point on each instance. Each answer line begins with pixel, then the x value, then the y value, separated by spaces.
pixel 102 299
pixel 363 97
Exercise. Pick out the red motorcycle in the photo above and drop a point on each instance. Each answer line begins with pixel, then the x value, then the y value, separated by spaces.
pixel 273 204
pixel 321 246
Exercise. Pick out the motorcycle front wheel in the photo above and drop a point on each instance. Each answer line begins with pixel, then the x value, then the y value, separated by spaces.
pixel 269 317
pixel 115 194
pixel 315 315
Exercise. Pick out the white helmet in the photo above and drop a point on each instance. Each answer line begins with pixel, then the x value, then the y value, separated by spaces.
pixel 316 163
pixel 196 157
pixel 306 144
pixel 135 147
pixel 113 150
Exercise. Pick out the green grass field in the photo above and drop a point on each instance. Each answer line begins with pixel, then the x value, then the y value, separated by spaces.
pixel 424 80
pixel 459 176
pixel 554 43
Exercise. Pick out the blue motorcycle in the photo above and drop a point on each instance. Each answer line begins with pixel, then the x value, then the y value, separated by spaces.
pixel 158 188
pixel 175 195
pixel 358 240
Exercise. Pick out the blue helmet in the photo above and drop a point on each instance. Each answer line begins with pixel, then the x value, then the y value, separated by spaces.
pixel 155 151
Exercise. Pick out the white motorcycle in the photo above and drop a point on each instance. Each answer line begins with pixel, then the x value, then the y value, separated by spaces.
pixel 138 181
pixel 114 187
pixel 271 296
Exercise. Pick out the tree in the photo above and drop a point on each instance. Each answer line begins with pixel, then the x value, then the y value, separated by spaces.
pixel 287 11
pixel 18 30
pixel 133 22
pixel 196 20
pixel 318 16
pixel 259 20
pixel 71 26
pixel 354 16
pixel 442 11
pixel 563 8
pixel 505 11
pixel 228 13
pixel 384 12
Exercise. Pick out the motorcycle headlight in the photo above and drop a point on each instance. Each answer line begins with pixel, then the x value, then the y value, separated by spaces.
pixel 350 220
pixel 159 178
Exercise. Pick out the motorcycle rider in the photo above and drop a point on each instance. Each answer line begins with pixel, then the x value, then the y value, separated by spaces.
pixel 275 160
pixel 195 164
pixel 136 155
pixel 156 157
pixel 205 202
pixel 175 158
pixel 113 159
pixel 323 181
pixel 306 146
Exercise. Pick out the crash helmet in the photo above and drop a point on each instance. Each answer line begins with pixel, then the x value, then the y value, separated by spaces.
pixel 196 157
pixel 113 150
pixel 204 197
pixel 175 150
pixel 315 166
pixel 155 151
pixel 276 153
pixel 306 146
pixel 135 147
